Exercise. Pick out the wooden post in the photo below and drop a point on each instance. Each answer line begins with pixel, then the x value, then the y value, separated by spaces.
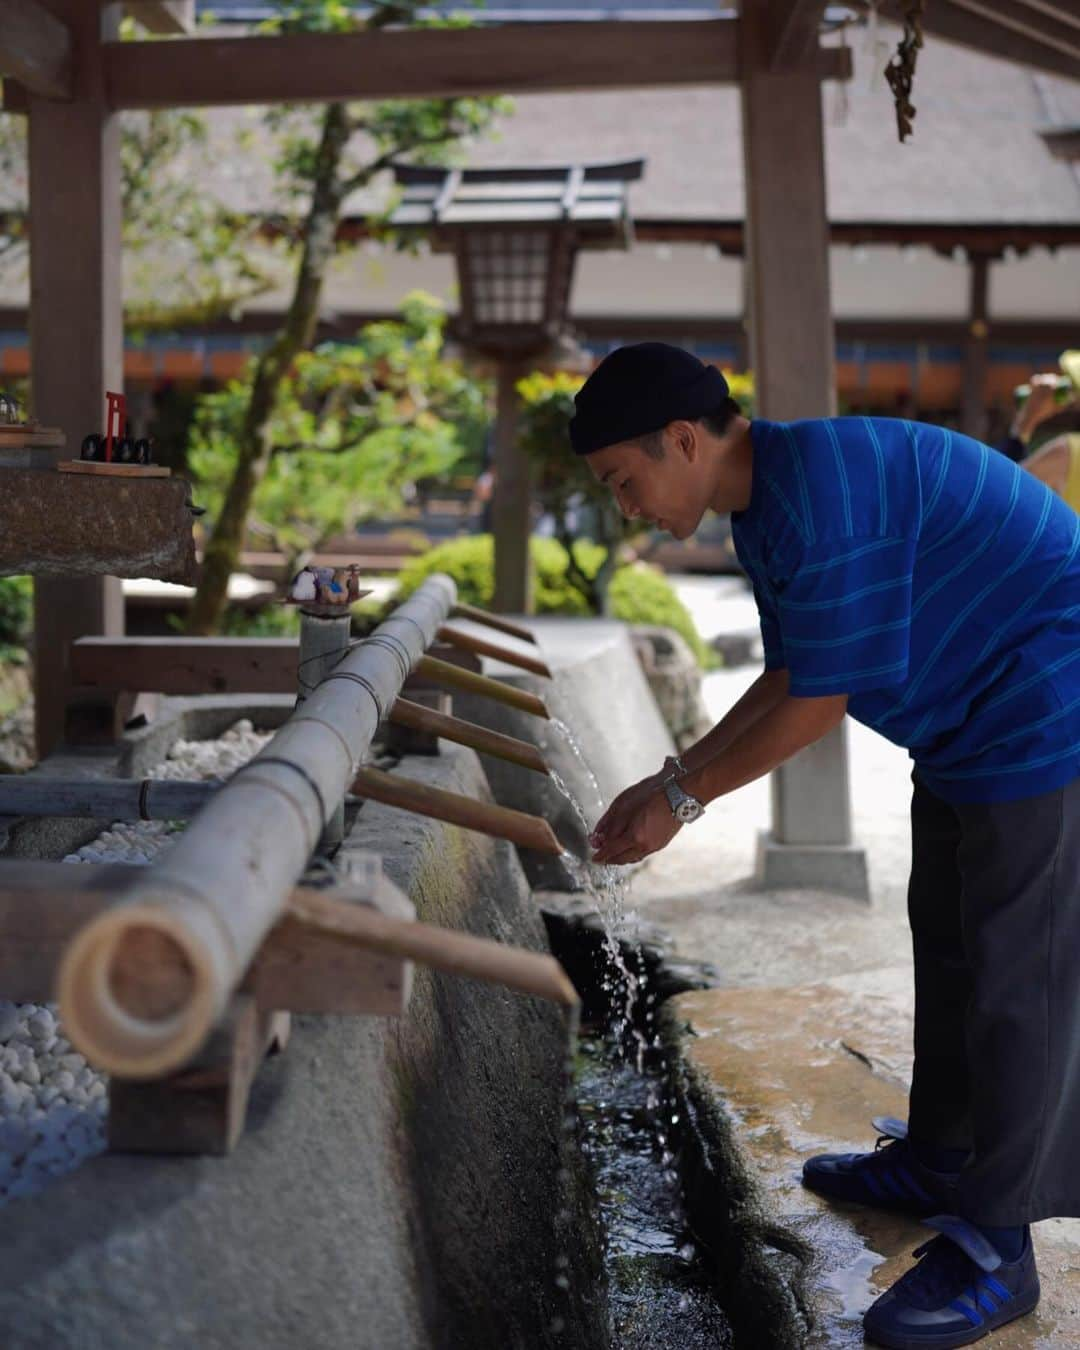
pixel 792 354
pixel 976 349
pixel 512 500
pixel 76 325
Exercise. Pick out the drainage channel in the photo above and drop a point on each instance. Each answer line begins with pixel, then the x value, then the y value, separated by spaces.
pixel 661 1281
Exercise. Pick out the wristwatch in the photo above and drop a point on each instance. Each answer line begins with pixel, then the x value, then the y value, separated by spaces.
pixel 684 808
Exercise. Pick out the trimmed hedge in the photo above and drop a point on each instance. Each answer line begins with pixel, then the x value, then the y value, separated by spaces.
pixel 638 594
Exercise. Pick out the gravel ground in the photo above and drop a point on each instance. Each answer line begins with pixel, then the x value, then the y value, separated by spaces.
pixel 52 1103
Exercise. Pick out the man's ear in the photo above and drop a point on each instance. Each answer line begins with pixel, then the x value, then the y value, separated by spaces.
pixel 684 439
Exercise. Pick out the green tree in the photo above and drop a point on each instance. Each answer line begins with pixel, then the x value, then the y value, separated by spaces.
pixel 353 426
pixel 323 161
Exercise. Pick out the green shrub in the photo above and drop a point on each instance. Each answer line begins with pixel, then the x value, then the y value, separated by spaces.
pixel 638 594
pixel 16 611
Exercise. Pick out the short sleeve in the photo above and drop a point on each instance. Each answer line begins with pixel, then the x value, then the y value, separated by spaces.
pixel 770 628
pixel 844 615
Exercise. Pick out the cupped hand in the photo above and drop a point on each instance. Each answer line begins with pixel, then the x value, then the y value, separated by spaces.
pixel 623 809
pixel 648 827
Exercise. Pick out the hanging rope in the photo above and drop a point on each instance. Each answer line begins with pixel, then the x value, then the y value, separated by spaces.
pixel 900 72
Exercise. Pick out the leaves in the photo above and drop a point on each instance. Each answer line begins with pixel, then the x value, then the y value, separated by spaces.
pixel 354 427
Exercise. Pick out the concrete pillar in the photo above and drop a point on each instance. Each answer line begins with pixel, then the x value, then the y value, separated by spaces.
pixel 76 330
pixel 976 349
pixel 792 355
pixel 512 500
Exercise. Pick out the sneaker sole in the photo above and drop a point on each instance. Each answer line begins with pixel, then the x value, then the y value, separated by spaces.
pixel 1014 1310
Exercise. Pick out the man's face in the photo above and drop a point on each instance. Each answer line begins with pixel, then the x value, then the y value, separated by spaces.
pixel 662 491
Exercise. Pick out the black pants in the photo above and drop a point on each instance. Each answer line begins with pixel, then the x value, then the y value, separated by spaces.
pixel 994 903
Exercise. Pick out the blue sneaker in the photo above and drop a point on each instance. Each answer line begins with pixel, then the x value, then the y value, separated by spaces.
pixel 888 1178
pixel 960 1291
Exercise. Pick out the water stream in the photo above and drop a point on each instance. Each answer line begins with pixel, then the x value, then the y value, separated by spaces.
pixel 660 1291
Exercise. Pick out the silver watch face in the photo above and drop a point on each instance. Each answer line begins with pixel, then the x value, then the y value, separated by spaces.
pixel 688 810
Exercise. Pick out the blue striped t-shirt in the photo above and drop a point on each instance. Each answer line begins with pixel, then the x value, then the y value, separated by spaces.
pixel 931 580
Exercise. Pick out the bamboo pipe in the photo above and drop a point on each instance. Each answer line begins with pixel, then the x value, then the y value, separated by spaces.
pixel 172 799
pixel 519 827
pixel 43 904
pixel 440 948
pixel 192 923
pixel 462 611
pixel 481 647
pixel 405 713
pixel 442 672
pixel 104 798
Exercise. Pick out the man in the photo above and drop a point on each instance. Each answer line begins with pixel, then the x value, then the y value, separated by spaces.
pixel 921 582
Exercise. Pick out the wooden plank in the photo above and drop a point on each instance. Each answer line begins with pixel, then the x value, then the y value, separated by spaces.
pixel 201 1109
pixel 35 48
pixel 31 434
pixel 448 63
pixel 101 470
pixel 185 665
pixel 521 828
pixel 163 16
pixel 76 330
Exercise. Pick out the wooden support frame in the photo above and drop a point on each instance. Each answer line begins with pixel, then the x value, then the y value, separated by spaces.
pixel 163 16
pixel 498 59
pixel 36 49
pixel 74 161
pixel 201 1109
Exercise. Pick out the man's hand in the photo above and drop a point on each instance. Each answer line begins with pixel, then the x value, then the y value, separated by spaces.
pixel 624 808
pixel 643 827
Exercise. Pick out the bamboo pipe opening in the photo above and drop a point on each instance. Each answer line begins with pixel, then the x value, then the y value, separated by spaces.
pixel 136 992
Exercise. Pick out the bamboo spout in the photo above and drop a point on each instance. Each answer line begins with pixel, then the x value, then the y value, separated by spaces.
pixel 454 677
pixel 496 621
pixel 440 948
pixel 204 908
pixel 518 826
pixel 481 647
pixel 405 713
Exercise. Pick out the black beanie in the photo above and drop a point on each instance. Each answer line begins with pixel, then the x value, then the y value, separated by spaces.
pixel 638 389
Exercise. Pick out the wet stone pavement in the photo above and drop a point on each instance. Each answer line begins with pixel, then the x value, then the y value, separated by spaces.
pixel 809 1037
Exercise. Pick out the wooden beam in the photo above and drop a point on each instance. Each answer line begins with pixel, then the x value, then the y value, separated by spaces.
pixel 984 32
pixel 431 63
pixel 163 16
pixel 792 355
pixel 469 642
pixel 76 325
pixel 35 49
pixel 793 32
pixel 1062 142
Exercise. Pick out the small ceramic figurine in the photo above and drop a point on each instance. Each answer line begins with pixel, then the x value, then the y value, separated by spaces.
pixel 352 585
pixel 10 412
pixel 304 585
